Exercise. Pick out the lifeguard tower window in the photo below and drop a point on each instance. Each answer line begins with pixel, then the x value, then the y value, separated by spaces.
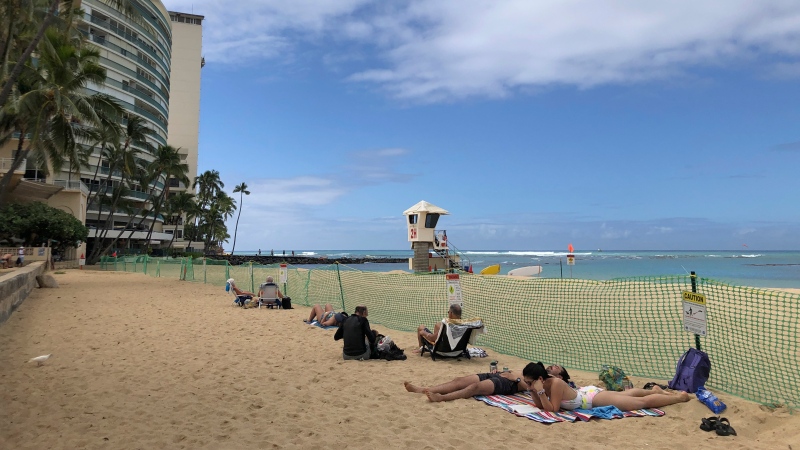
pixel 431 220
pixel 412 219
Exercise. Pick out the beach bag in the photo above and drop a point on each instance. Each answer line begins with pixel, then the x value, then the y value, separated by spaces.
pixel 615 379
pixel 691 372
pixel 286 303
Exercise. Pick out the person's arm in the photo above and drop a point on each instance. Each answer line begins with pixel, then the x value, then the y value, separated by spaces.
pixel 367 331
pixel 339 333
pixel 330 321
pixel 551 403
pixel 436 330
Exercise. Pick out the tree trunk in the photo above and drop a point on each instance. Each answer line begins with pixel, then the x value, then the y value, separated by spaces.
pixel 6 180
pixel 236 230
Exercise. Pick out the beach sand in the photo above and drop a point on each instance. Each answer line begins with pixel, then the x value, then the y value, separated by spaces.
pixel 151 363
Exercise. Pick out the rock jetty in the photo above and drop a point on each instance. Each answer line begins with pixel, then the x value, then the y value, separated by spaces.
pixel 236 260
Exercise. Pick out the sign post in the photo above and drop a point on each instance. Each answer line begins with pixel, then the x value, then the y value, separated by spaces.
pixel 694 312
pixel 284 276
pixel 454 290
pixel 82 261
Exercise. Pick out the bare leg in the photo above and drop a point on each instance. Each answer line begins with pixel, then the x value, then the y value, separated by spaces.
pixel 315 311
pixel 423 335
pixel 445 388
pixel 485 387
pixel 643 392
pixel 328 307
pixel 629 403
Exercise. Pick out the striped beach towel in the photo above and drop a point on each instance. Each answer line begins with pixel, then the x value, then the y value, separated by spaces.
pixel 318 325
pixel 522 405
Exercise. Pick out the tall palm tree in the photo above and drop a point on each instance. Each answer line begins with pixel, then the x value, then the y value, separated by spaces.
pixel 182 203
pixel 242 190
pixel 54 106
pixel 35 18
pixel 167 165
pixel 222 208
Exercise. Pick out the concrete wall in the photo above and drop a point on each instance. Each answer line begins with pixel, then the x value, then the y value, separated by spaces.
pixel 15 287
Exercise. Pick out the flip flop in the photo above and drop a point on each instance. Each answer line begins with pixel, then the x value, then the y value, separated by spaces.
pixel 724 428
pixel 650 385
pixel 709 424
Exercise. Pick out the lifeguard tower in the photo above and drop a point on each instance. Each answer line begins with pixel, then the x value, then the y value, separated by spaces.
pixel 431 249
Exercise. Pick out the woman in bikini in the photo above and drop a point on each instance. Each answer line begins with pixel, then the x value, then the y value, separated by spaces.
pixel 325 317
pixel 552 394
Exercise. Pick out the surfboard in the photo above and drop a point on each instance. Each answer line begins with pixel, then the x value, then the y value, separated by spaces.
pixel 527 271
pixel 491 270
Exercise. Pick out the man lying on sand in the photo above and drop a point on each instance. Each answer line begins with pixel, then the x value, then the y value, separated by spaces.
pixel 500 383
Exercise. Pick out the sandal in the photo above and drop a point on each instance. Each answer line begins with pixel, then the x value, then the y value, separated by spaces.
pixel 651 384
pixel 709 424
pixel 724 428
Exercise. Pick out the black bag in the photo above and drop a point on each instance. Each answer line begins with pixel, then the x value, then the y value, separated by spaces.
pixel 286 303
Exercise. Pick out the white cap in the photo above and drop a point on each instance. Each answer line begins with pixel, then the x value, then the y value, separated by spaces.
pixel 230 281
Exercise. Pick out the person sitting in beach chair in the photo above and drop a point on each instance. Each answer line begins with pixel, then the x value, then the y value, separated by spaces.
pixel 269 294
pixel 240 297
pixel 359 339
pixel 552 394
pixel 327 316
pixel 453 338
pixel 500 383
pixel 5 260
pixel 425 335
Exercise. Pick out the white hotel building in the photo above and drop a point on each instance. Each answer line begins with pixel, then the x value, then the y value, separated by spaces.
pixel 153 69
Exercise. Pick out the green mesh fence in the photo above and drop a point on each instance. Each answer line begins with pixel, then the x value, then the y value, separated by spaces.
pixel 633 323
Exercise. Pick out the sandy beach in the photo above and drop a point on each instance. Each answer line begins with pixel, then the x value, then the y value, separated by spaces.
pixel 143 363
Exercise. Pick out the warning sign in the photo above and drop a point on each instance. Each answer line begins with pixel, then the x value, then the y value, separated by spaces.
pixel 694 313
pixel 284 274
pixel 454 290
pixel 570 259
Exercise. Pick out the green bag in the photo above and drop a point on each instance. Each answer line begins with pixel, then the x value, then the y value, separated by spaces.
pixel 615 379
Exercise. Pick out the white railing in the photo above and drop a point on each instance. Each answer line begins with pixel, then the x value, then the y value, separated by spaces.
pixel 6 163
pixel 72 185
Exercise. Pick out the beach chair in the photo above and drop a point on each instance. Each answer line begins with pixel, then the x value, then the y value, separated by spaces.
pixel 453 338
pixel 269 298
pixel 238 300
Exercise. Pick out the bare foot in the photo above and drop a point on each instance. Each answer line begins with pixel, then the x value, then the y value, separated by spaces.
pixel 433 397
pixel 411 388
pixel 417 351
pixel 658 389
pixel 684 396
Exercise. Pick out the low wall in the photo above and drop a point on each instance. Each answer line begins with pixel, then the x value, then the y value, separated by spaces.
pixel 15 287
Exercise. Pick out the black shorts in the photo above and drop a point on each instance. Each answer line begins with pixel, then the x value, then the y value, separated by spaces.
pixel 502 385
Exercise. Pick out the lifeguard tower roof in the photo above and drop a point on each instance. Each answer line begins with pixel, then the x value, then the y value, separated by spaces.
pixel 424 206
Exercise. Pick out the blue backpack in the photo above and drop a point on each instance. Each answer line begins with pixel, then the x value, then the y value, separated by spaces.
pixel 692 371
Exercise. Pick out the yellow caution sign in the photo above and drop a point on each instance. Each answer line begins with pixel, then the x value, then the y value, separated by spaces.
pixel 694 297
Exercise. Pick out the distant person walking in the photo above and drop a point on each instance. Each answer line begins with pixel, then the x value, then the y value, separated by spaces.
pixel 21 256
pixel 292 252
pixel 272 253
pixel 259 252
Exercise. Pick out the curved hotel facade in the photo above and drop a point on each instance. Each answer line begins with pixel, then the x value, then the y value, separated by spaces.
pixel 153 66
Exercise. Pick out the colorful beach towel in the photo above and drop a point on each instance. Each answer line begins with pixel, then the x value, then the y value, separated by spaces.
pixel 522 405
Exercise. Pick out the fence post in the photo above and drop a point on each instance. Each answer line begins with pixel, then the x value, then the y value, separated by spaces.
pixel 252 283
pixel 693 277
pixel 204 271
pixel 341 290
pixel 158 268
pixel 227 270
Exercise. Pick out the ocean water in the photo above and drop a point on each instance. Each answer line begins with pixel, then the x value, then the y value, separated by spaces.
pixel 775 269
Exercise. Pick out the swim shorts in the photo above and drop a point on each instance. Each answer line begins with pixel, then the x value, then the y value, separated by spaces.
pixel 502 385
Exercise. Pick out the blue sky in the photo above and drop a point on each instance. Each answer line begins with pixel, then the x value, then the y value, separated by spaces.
pixel 627 125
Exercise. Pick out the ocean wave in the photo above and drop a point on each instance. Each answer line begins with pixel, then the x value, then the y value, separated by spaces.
pixel 525 253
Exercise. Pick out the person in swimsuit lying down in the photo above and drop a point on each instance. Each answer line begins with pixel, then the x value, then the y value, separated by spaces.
pixel 500 383
pixel 326 316
pixel 551 394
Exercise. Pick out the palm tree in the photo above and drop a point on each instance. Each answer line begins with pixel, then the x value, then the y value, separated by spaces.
pixel 39 16
pixel 167 165
pixel 242 190
pixel 222 208
pixel 53 105
pixel 182 203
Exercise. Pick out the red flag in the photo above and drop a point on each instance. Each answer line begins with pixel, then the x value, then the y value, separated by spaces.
pixel 571 249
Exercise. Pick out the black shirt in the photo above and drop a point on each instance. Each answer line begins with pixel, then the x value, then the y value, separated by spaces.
pixel 353 331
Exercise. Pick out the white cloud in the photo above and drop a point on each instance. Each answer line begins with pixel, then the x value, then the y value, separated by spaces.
pixel 430 50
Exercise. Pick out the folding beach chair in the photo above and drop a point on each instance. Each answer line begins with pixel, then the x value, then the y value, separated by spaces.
pixel 453 338
pixel 238 300
pixel 269 296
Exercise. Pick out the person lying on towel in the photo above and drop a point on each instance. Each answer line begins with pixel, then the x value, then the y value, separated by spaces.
pixel 326 316
pixel 552 394
pixel 430 336
pixel 500 383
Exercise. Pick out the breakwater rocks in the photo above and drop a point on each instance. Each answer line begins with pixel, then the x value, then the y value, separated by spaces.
pixel 236 260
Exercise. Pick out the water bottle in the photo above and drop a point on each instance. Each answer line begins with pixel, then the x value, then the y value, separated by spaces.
pixel 710 400
pixel 493 367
